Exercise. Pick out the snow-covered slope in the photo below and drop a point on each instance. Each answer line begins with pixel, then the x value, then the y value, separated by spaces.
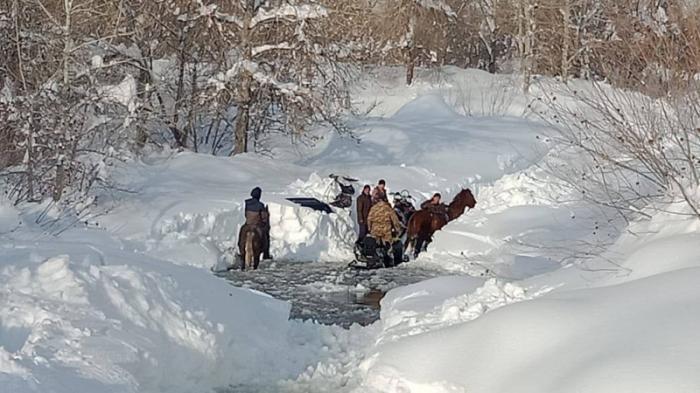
pixel 602 327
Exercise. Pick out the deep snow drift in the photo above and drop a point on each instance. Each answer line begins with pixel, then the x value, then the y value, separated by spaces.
pixel 124 300
pixel 600 328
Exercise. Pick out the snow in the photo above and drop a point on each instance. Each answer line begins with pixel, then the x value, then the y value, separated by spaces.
pixel 124 93
pixel 115 325
pixel 210 10
pixel 630 337
pixel 437 5
pixel 284 11
pixel 268 47
pixel 547 294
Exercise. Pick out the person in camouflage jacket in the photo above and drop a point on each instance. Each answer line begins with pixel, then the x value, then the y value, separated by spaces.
pixel 383 222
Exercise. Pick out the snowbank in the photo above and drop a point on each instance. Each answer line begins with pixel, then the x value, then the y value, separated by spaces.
pixel 9 218
pixel 189 208
pixel 95 321
pixel 621 321
pixel 633 337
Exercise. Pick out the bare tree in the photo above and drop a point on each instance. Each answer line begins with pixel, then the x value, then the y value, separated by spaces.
pixel 635 151
pixel 277 61
pixel 410 25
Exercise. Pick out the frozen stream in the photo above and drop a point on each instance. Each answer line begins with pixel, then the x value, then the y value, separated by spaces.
pixel 329 293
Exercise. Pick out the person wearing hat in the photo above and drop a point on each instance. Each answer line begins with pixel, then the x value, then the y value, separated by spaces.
pixel 364 203
pixel 434 205
pixel 258 217
pixel 379 192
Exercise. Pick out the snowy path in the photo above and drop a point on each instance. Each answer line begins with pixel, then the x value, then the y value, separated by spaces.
pixel 330 293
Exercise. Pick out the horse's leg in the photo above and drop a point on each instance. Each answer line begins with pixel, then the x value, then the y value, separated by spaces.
pixel 427 243
pixel 249 250
pixel 417 246
pixel 241 245
pixel 408 243
pixel 259 249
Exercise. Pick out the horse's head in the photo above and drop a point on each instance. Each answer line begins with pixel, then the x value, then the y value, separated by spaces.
pixel 468 198
pixel 465 199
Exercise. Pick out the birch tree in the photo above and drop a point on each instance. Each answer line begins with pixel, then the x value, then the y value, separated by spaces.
pixel 527 27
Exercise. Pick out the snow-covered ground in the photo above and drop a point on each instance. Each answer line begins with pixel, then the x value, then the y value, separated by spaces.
pixel 598 327
pixel 547 295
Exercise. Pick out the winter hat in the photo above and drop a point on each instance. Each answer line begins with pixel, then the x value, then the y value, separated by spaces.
pixel 256 193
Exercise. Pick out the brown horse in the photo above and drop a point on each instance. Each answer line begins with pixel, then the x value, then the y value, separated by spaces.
pixel 250 246
pixel 423 224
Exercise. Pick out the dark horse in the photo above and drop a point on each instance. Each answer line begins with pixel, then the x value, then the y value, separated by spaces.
pixel 423 223
pixel 250 246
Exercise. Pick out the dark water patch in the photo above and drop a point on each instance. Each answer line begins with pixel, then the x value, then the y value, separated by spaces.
pixel 326 292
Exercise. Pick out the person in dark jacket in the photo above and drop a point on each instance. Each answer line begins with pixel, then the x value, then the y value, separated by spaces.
pixel 364 203
pixel 379 192
pixel 434 205
pixel 258 217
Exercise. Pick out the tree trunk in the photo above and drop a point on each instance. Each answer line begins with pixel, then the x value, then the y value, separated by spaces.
pixel 191 126
pixel 68 42
pixel 143 91
pixel 410 50
pixel 180 136
pixel 585 55
pixel 144 81
pixel 487 33
pixel 29 152
pixel 244 97
pixel 241 129
pixel 566 17
pixel 528 46
pixel 410 67
pixel 60 181
pixel 18 42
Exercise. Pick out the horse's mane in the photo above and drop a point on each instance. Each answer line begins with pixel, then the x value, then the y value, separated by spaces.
pixel 460 197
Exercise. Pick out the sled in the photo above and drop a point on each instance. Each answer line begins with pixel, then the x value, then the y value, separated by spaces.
pixel 371 256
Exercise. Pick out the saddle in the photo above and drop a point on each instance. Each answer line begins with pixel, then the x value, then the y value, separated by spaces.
pixel 439 211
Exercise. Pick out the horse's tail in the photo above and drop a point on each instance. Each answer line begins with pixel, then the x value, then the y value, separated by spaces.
pixel 249 248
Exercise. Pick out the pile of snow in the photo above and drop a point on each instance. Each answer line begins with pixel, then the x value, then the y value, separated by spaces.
pixel 70 324
pixel 442 302
pixel 631 337
pixel 189 209
pixel 619 321
pixel 9 218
